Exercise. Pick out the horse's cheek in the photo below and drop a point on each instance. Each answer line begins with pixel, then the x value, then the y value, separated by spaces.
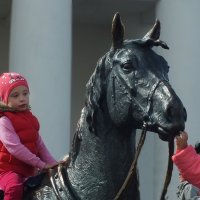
pixel 118 111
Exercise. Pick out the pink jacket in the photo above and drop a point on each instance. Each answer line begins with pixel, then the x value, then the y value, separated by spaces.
pixel 188 163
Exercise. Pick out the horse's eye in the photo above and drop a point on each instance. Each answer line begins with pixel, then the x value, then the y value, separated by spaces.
pixel 127 67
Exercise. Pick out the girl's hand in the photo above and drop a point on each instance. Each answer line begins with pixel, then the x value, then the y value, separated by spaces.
pixel 48 166
pixel 181 140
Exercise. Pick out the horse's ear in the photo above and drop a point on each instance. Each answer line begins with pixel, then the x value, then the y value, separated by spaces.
pixel 152 37
pixel 117 32
pixel 154 32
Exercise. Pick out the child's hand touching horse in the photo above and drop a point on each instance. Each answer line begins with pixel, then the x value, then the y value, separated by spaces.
pixel 181 141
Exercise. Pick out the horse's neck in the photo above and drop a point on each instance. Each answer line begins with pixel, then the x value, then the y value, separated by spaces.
pixel 107 140
pixel 103 158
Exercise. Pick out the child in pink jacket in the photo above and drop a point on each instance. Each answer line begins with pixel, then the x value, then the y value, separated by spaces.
pixel 22 150
pixel 187 160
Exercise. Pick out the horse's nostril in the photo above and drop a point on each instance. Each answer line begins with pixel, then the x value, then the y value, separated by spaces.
pixel 172 113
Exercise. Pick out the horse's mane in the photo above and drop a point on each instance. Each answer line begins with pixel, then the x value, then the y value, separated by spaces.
pixel 95 89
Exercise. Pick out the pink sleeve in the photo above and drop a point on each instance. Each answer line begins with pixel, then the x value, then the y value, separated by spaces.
pixel 12 143
pixel 44 154
pixel 188 163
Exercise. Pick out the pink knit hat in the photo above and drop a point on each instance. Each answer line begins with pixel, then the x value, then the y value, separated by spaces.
pixel 8 81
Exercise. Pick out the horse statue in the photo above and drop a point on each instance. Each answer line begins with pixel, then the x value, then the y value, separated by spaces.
pixel 129 88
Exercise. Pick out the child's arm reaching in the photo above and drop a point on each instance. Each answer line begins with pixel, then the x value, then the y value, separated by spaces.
pixel 187 160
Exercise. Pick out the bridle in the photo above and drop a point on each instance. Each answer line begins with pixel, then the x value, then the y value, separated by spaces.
pixel 131 91
pixel 146 121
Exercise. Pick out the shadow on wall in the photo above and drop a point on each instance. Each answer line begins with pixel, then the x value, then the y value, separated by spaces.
pixel 4 47
pixel 5 10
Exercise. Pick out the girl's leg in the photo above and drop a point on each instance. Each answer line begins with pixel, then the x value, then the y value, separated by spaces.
pixel 12 184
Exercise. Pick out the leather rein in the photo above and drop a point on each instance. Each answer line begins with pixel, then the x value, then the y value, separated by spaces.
pixel 133 167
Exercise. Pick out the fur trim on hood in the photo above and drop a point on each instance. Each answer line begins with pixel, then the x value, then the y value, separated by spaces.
pixel 5 108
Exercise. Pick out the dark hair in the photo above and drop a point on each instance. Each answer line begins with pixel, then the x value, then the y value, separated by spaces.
pixel 197 147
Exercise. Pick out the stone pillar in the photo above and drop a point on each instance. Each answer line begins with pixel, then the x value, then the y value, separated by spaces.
pixel 40 49
pixel 180 29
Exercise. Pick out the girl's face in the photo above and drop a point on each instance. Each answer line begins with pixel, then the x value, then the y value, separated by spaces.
pixel 19 98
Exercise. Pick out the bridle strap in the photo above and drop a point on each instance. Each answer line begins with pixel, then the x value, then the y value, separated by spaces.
pixel 146 118
pixel 132 169
pixel 169 169
pixel 130 90
pixel 61 184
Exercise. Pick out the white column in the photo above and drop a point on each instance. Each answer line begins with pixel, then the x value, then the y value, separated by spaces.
pixel 180 29
pixel 40 49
